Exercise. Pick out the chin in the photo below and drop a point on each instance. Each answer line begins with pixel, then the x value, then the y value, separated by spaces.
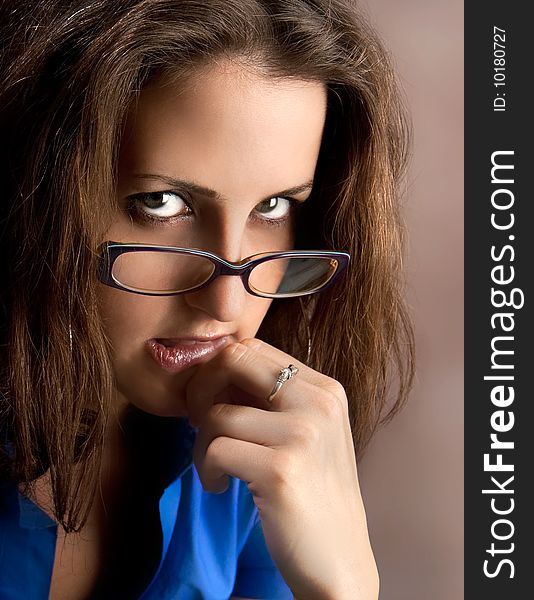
pixel 160 409
pixel 143 384
pixel 160 401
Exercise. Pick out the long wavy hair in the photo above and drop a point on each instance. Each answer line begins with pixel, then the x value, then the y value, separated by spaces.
pixel 70 72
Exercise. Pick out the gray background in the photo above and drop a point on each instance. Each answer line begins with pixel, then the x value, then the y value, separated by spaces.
pixel 412 474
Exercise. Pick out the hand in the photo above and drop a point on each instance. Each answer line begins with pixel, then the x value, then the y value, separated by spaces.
pixel 298 460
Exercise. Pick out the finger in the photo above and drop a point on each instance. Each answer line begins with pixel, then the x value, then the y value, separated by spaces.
pixel 311 390
pixel 283 359
pixel 237 458
pixel 247 423
pixel 253 425
pixel 238 366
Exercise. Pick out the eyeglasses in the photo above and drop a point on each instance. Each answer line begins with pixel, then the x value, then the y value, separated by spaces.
pixel 168 271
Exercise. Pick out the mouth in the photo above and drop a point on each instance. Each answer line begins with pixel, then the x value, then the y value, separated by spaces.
pixel 177 354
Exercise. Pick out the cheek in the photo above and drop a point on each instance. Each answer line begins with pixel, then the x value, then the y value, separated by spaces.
pixel 129 317
pixel 253 316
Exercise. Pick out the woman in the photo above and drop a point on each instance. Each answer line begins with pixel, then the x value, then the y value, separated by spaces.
pixel 175 423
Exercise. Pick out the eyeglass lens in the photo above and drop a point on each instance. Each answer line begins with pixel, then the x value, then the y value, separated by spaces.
pixel 291 275
pixel 168 272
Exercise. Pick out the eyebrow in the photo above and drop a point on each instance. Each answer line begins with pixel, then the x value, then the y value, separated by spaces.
pixel 214 195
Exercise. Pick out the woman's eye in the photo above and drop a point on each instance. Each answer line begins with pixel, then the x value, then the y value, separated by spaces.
pixel 274 208
pixel 159 205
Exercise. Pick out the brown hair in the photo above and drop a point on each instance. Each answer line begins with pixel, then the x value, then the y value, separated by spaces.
pixel 70 71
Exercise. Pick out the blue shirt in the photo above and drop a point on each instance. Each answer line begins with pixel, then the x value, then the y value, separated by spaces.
pixel 213 545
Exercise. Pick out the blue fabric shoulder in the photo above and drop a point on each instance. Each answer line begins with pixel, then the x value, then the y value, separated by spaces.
pixel 213 544
pixel 217 549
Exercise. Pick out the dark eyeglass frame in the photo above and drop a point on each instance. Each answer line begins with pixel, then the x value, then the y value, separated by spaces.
pixel 110 251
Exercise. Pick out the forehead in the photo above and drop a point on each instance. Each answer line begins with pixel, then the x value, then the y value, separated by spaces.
pixel 227 127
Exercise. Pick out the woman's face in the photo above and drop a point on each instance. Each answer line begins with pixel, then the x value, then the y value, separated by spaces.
pixel 248 139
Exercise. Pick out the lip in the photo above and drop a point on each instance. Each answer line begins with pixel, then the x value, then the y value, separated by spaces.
pixel 177 354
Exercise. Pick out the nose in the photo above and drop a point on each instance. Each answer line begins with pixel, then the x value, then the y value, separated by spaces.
pixel 223 299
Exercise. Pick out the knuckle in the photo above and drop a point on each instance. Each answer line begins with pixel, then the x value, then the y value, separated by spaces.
pixel 214 451
pixel 306 433
pixel 333 396
pixel 253 344
pixel 234 352
pixel 330 405
pixel 219 412
pixel 283 470
pixel 333 386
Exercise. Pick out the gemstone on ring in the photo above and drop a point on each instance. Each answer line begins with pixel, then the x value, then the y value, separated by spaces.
pixel 284 374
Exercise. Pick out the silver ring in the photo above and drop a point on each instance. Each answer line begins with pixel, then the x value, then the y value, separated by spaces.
pixel 283 376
